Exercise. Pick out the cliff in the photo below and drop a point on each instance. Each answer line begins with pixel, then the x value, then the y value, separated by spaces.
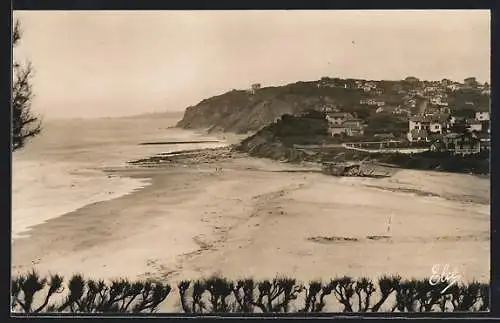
pixel 242 111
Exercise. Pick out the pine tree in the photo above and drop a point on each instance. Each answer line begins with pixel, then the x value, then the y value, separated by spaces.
pixel 24 123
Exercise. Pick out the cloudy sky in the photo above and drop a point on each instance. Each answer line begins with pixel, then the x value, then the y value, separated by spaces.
pixel 105 63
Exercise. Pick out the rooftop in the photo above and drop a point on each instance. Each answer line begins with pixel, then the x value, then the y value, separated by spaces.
pixel 452 135
pixel 339 114
pixel 441 117
pixel 473 122
pixel 388 108
pixel 459 135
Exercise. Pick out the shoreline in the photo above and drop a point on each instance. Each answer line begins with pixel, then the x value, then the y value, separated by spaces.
pixel 235 139
pixel 208 155
pixel 126 185
pixel 66 221
pixel 253 218
pixel 107 174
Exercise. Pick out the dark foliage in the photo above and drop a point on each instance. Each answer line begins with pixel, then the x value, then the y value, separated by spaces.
pixel 25 124
pixel 443 161
pixel 32 294
pixel 28 286
pixel 86 295
pixel 463 98
pixel 276 295
pixel 292 126
pixel 387 123
pixel 361 111
pixel 277 139
pixel 465 113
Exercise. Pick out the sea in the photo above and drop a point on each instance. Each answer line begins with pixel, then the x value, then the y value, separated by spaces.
pixel 61 170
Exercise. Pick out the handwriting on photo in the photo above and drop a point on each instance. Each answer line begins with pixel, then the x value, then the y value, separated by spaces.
pixel 442 274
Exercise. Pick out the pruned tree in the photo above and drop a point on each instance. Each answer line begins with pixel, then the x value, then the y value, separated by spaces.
pixel 24 123
pixel 31 293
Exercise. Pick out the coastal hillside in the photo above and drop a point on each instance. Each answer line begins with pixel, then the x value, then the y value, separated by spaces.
pixel 277 140
pixel 242 111
pixel 281 140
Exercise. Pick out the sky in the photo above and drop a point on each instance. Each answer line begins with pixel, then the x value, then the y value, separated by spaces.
pixel 116 63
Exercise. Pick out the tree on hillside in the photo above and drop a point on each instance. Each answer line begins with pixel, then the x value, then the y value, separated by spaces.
pixel 465 113
pixel 24 123
pixel 386 123
pixel 362 111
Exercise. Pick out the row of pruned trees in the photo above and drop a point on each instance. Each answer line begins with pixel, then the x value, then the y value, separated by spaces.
pixel 31 293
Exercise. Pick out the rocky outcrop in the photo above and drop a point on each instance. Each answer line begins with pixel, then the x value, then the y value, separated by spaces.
pixel 276 141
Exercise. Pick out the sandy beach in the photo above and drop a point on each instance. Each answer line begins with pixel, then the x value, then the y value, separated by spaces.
pixel 232 163
pixel 259 218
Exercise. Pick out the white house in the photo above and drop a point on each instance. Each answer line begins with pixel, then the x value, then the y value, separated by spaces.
pixel 444 109
pixel 486 92
pixel 430 89
pixel 368 86
pixel 420 127
pixel 354 127
pixel 336 130
pixel 435 127
pixel 255 87
pixel 417 135
pixel 436 100
pixel 417 129
pixel 327 108
pixel 414 123
pixel 454 87
pixel 368 101
pixel 482 116
pixel 428 124
pixel 411 103
pixel 474 125
pixel 379 103
pixel 338 118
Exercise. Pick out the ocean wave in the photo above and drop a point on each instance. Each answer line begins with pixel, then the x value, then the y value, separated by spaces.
pixel 64 168
pixel 44 191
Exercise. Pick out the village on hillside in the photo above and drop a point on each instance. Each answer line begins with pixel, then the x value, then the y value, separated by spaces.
pixel 428 115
